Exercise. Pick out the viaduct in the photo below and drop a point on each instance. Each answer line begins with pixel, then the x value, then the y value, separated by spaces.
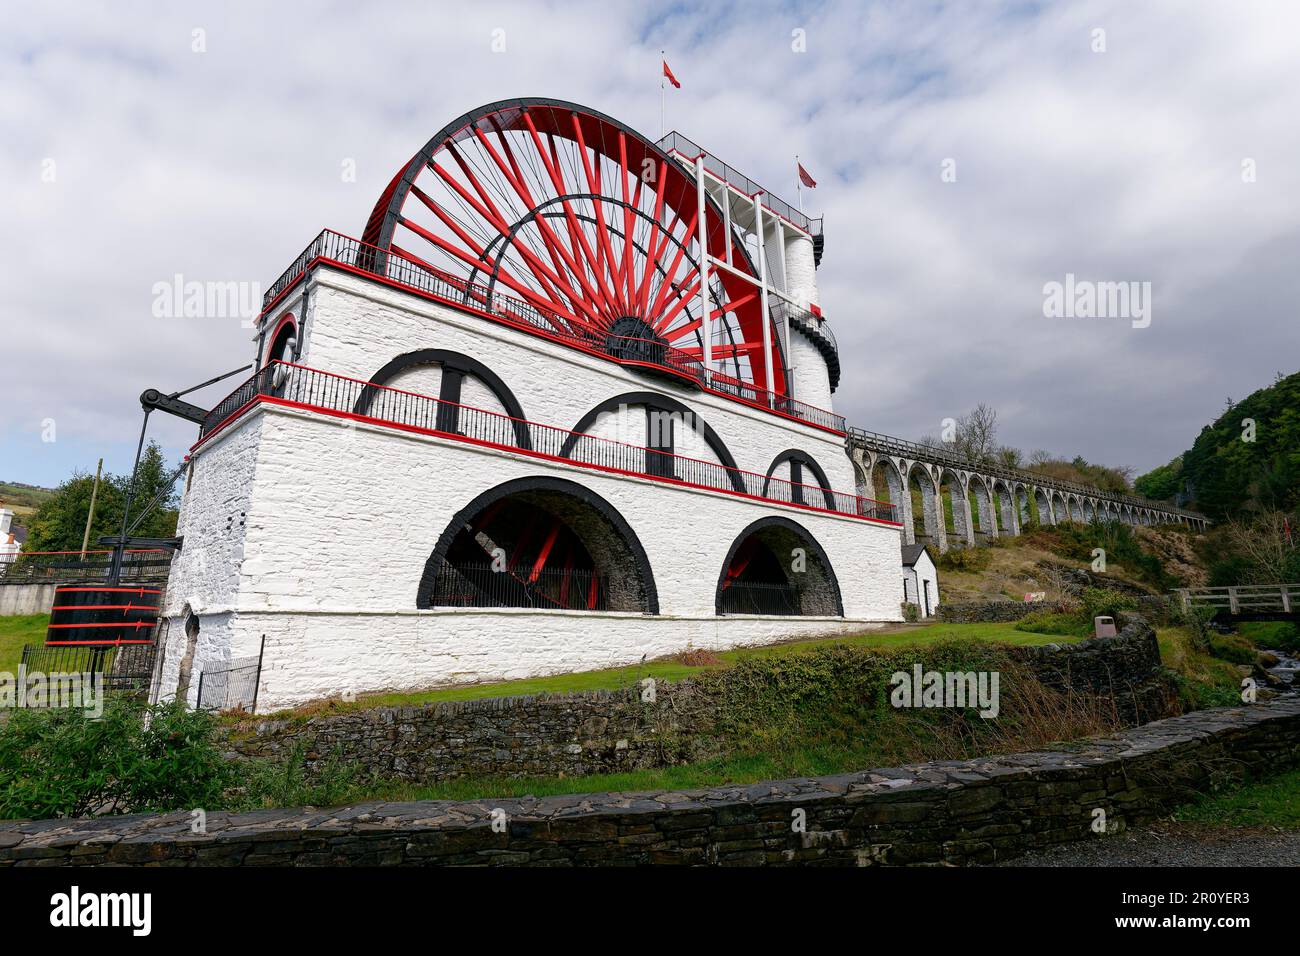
pixel 892 467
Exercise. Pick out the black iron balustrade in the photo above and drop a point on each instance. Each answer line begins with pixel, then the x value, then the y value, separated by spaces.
pixel 296 385
pixel 482 585
pixel 127 668
pixel 390 266
pixel 755 597
pixel 64 567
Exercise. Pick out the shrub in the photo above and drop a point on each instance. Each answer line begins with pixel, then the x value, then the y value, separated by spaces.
pixel 286 783
pixel 59 762
pixel 1196 619
pixel 911 612
pixel 971 560
pixel 1099 602
pixel 1232 648
pixel 1065 623
pixel 1272 635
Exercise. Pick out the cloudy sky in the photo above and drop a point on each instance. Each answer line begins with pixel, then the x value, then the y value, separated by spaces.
pixel 1118 141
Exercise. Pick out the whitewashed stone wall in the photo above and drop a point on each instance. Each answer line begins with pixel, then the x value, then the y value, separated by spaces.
pixel 812 379
pixel 356 327
pixel 341 518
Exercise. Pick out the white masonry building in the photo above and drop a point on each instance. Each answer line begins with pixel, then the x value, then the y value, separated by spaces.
pixel 565 404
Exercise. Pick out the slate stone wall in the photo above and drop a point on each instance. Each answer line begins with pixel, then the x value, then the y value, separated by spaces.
pixel 985 612
pixel 953 812
pixel 601 732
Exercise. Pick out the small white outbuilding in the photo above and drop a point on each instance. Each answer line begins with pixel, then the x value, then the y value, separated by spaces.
pixel 920 579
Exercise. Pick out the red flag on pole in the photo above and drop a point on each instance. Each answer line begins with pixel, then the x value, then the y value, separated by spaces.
pixel 805 178
pixel 669 73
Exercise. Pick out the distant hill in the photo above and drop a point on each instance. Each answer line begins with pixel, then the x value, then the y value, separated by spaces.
pixel 1248 460
pixel 22 498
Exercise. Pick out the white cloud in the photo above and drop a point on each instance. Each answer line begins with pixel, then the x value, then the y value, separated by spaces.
pixel 1122 165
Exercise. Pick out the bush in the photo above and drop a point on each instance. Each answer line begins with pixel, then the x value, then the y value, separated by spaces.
pixel 1098 602
pixel 911 612
pixel 1064 623
pixel 971 560
pixel 1232 648
pixel 1272 635
pixel 59 762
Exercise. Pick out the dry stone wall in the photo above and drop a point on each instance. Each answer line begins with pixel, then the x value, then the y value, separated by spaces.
pixel 950 812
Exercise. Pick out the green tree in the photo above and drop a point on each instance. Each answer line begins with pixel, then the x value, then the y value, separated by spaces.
pixel 59 522
pixel 1162 483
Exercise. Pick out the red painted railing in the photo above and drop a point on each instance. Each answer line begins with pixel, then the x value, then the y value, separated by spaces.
pixel 296 386
pixel 374 263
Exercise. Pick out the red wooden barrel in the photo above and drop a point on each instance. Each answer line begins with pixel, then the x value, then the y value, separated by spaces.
pixel 86 614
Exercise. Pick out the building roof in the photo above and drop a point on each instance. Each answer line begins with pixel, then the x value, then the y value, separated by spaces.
pixel 913 552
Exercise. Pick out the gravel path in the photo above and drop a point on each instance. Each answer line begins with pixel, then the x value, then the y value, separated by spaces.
pixel 1175 844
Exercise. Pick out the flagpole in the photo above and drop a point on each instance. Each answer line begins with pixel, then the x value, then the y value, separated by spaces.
pixel 798 183
pixel 663 129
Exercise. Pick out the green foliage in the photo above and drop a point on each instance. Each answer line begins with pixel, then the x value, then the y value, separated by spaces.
pixel 911 612
pixel 285 783
pixel 1064 623
pixel 1161 483
pixel 1273 802
pixel 971 560
pixel 1195 620
pixel 1272 635
pixel 1228 475
pixel 1198 695
pixel 60 521
pixel 1232 648
pixel 1104 601
pixel 59 762
pixel 15 494
pixel 1119 541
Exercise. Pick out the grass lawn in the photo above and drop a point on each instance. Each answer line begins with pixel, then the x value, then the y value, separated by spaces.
pixel 1274 802
pixel 673 670
pixel 17 631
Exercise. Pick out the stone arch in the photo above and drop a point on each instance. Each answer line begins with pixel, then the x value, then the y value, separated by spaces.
pixel 983 517
pixel 1060 509
pixel 1090 510
pixel 1044 505
pixel 1005 506
pixel 1075 505
pixel 931 518
pixel 1022 505
pixel 761 574
pixel 455 367
pixel 798 461
pixel 663 412
pixel 955 497
pixel 886 480
pixel 526 522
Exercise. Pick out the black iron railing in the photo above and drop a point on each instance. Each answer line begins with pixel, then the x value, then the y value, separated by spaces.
pixel 296 385
pixel 64 567
pixel 482 585
pixel 127 668
pixel 353 254
pixel 751 597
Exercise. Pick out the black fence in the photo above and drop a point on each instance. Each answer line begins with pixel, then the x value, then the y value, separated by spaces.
pixel 231 686
pixel 72 567
pixel 124 669
pixel 478 585
pixel 742 597
pixel 298 385
pixel 393 267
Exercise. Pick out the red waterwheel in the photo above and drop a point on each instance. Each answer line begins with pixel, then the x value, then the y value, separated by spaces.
pixel 591 225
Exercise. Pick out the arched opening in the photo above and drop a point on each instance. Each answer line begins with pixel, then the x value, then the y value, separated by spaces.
pixel 463 386
pixel 927 512
pixel 543 543
pixel 284 342
pixel 982 508
pixel 956 508
pixel 776 567
pixel 186 669
pixel 801 471
pixel 1007 523
pixel 1045 516
pixel 1076 509
pixel 1059 508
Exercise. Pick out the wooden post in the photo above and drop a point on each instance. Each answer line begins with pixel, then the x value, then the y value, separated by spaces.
pixel 1232 601
pixel 90 516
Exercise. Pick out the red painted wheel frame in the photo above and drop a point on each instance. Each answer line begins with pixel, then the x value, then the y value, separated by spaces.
pixel 587 222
